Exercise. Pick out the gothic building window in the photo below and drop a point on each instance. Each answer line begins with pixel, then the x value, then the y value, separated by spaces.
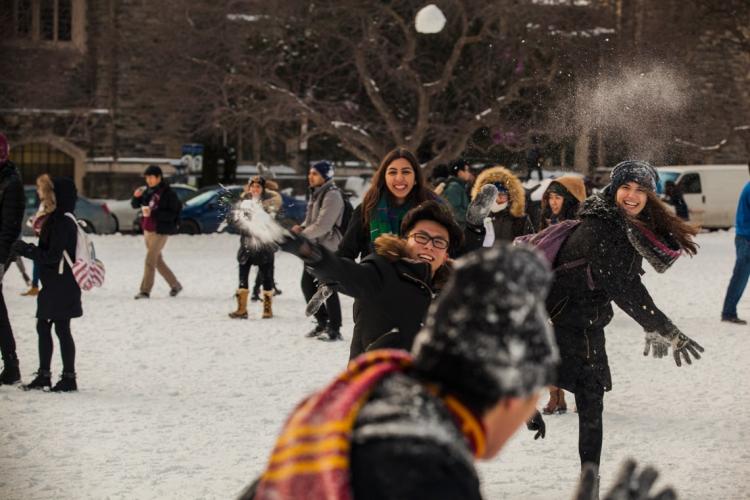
pixel 42 20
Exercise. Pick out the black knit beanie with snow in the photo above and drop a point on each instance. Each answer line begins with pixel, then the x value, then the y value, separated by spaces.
pixel 487 337
pixel 640 172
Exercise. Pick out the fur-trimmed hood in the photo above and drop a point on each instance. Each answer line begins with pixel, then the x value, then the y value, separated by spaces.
pixel 516 193
pixel 573 185
pixel 393 249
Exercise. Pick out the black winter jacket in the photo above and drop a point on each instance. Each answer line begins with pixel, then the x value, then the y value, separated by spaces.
pixel 12 206
pixel 356 241
pixel 60 296
pixel 579 302
pixel 392 294
pixel 167 213
pixel 507 228
pixel 406 445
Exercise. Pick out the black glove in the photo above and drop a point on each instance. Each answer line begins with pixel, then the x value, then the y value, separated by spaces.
pixel 303 248
pixel 480 206
pixel 20 247
pixel 629 485
pixel 657 344
pixel 682 346
pixel 536 423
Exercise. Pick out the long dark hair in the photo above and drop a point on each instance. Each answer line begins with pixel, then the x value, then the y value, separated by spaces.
pixel 419 193
pixel 656 217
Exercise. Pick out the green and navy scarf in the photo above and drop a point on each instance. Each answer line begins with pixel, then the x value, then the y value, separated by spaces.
pixel 387 219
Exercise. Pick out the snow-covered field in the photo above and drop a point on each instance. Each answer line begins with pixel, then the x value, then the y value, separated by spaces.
pixel 178 401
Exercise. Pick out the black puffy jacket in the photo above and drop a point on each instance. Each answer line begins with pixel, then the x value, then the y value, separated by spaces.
pixel 167 212
pixel 12 206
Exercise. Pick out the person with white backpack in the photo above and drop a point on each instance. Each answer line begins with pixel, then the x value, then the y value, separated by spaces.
pixel 59 300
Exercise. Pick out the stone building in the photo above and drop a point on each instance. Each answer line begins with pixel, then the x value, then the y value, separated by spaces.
pixel 80 96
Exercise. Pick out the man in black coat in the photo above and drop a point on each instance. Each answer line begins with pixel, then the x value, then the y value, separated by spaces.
pixel 161 213
pixel 12 205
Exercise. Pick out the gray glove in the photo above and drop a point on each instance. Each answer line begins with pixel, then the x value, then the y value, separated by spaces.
pixel 657 344
pixel 629 485
pixel 480 206
pixel 684 346
pixel 319 298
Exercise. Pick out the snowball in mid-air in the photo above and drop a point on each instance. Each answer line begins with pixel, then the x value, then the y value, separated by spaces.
pixel 430 19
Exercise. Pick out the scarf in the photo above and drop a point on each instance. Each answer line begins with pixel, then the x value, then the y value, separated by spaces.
pixel 660 252
pixel 387 219
pixel 311 456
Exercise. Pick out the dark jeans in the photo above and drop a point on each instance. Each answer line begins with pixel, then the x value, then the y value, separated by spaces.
pixel 34 274
pixel 7 342
pixel 265 274
pixel 739 279
pixel 590 404
pixel 330 313
pixel 67 346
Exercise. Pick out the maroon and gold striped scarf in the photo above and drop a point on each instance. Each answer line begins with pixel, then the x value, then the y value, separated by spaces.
pixel 311 456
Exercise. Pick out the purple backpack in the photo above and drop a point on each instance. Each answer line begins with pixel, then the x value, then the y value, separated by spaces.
pixel 549 240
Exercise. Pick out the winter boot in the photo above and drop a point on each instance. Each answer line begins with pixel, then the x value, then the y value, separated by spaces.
pixel 241 312
pixel 176 290
pixel 141 295
pixel 67 383
pixel 31 292
pixel 256 293
pixel 11 374
pixel 561 406
pixel 553 399
pixel 276 289
pixel 42 381
pixel 267 302
pixel 330 334
pixel 315 331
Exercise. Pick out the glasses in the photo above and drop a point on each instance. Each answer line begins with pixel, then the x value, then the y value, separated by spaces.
pixel 424 238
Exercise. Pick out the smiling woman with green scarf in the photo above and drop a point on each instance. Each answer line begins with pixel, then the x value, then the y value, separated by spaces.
pixel 397 186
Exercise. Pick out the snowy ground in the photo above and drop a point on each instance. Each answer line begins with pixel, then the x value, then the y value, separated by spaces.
pixel 178 401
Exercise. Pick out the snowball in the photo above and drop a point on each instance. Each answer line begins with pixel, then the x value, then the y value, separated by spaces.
pixel 429 19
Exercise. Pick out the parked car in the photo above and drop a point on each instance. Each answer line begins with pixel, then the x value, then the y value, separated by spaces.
pixel 710 191
pixel 98 218
pixel 205 212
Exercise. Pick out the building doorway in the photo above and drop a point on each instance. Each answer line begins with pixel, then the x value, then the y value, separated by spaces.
pixel 36 158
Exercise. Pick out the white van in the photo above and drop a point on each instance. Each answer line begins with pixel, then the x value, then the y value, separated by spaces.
pixel 711 191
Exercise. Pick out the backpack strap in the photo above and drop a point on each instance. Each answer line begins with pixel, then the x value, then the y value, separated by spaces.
pixel 65 255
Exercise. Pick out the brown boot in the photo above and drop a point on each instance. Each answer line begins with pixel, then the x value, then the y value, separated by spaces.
pixel 31 292
pixel 561 406
pixel 241 312
pixel 267 299
pixel 552 404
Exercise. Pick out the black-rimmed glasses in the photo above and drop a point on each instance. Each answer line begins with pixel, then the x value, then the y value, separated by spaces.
pixel 424 238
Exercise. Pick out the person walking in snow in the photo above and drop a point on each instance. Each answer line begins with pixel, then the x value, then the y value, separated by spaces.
pixel 741 271
pixel 12 206
pixel 506 218
pixel 252 252
pixel 560 202
pixel 161 214
pixel 60 297
pixel 47 204
pixel 619 228
pixel 325 212
pixel 456 190
pixel 396 425
pixel 393 287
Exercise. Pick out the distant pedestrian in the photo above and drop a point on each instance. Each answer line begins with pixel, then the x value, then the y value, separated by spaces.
pixel 673 196
pixel 456 190
pixel 253 252
pixel 534 160
pixel 161 214
pixel 325 213
pixel 741 271
pixel 12 206
pixel 60 297
pixel 47 204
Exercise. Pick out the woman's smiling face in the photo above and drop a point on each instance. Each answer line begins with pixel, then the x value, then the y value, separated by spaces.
pixel 631 197
pixel 400 178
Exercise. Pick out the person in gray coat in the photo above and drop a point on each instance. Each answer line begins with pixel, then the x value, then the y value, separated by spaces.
pixel 322 224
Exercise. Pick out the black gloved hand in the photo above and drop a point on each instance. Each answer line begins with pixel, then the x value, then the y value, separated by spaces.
pixel 657 344
pixel 536 423
pixel 300 246
pixel 682 346
pixel 629 485
pixel 20 247
pixel 479 208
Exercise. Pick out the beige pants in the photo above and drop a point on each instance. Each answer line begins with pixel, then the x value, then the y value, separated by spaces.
pixel 154 262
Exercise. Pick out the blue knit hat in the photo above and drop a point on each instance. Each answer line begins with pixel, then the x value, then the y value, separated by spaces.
pixel 324 168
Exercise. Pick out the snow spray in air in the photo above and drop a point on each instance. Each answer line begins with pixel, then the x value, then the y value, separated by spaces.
pixel 252 220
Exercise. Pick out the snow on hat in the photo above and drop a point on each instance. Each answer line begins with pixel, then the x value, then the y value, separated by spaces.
pixel 153 170
pixel 637 171
pixel 487 337
pixel 257 179
pixel 324 168
pixel 4 149
pixel 458 165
